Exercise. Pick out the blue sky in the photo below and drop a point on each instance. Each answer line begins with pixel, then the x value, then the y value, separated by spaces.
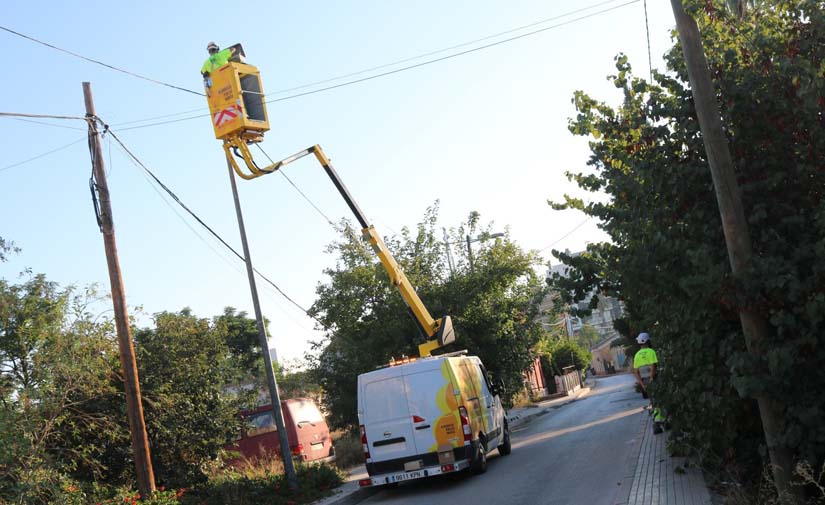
pixel 486 131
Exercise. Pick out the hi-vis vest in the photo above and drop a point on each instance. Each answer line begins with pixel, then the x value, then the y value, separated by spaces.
pixel 643 359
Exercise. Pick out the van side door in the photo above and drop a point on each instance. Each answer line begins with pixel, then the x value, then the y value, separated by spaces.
pixel 492 407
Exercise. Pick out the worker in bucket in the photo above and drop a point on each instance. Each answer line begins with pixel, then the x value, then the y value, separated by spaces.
pixel 644 368
pixel 216 60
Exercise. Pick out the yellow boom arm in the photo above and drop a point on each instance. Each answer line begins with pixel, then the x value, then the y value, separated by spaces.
pixel 439 332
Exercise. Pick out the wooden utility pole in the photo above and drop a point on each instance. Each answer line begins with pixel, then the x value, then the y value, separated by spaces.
pixel 735 227
pixel 286 454
pixel 131 385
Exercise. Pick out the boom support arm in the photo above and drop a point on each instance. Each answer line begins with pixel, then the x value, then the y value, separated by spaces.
pixel 439 332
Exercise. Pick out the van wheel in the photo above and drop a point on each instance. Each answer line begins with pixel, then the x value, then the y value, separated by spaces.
pixel 479 465
pixel 505 447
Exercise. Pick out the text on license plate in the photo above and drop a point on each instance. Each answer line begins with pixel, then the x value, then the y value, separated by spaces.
pixel 417 474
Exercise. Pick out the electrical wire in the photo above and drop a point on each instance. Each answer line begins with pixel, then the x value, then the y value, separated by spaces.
pixel 328 220
pixel 47 124
pixel 41 116
pixel 44 154
pixel 566 234
pixel 99 62
pixel 353 237
pixel 173 209
pixel 207 227
pixel 649 58
pixel 234 266
pixel 402 69
pixel 431 53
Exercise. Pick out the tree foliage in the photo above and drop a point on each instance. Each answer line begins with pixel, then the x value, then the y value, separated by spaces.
pixel 62 408
pixel 6 247
pixel 667 260
pixel 57 383
pixel 493 306
pixel 184 364
pixel 561 354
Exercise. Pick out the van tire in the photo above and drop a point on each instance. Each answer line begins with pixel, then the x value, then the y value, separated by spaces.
pixel 505 447
pixel 479 464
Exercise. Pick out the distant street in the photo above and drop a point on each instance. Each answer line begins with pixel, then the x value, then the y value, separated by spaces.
pixel 576 454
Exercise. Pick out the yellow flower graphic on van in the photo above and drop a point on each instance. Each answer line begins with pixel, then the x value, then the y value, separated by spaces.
pixel 447 428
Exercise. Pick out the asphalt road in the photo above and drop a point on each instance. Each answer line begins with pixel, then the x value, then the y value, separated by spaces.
pixel 576 454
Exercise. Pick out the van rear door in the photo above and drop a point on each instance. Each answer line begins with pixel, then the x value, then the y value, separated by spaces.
pixel 423 389
pixel 386 417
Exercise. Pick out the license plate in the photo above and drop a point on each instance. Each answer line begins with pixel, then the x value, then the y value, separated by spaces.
pixel 417 474
pixel 317 446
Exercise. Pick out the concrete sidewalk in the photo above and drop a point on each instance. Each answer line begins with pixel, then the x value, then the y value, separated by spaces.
pixel 655 478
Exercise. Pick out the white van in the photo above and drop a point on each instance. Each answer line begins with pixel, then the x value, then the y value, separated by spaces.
pixel 428 416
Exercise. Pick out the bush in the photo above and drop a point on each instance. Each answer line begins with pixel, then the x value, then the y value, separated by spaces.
pixel 348 451
pixel 564 353
pixel 235 488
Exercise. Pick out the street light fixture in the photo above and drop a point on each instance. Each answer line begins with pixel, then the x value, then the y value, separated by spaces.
pixel 480 238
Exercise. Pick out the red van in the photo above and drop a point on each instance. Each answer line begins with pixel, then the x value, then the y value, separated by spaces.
pixel 306 431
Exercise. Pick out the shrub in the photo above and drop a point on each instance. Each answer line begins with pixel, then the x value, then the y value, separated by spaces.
pixel 348 451
pixel 234 488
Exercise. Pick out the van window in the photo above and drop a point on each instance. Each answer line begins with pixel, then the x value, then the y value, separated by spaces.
pixel 485 379
pixel 385 399
pixel 262 422
pixel 305 412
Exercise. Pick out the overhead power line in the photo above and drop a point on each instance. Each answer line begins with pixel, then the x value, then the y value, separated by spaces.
pixel 47 124
pixel 397 70
pixel 431 53
pixel 207 227
pixel 99 62
pixel 566 234
pixel 42 155
pixel 41 116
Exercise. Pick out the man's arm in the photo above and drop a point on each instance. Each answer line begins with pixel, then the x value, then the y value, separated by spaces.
pixel 653 371
pixel 638 377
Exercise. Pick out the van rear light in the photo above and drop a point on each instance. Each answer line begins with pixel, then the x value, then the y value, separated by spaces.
pixel 364 443
pixel 447 468
pixel 365 482
pixel 465 425
pixel 297 450
pixel 418 419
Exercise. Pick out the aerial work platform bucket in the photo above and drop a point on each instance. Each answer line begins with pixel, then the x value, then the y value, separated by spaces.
pixel 236 103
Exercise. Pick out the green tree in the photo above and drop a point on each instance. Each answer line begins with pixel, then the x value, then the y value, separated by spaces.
pixel 560 354
pixel 184 365
pixel 667 260
pixel 494 307
pixel 57 370
pixel 243 343
pixel 6 247
pixel 296 381
pixel 588 336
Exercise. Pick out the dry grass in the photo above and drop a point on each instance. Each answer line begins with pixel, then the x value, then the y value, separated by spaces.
pixel 765 493
pixel 348 449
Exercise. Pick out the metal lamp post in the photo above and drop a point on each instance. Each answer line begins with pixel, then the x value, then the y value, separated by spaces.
pixel 480 238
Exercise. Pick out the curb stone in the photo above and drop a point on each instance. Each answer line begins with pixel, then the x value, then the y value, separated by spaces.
pixel 357 496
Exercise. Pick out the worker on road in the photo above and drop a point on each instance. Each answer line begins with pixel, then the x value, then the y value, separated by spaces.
pixel 217 59
pixel 644 368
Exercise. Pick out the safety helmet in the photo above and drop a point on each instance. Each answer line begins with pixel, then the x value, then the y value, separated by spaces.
pixel 643 338
pixel 212 45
